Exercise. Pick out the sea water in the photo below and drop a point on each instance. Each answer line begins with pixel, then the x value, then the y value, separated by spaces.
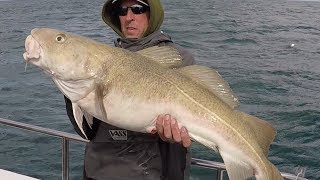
pixel 268 51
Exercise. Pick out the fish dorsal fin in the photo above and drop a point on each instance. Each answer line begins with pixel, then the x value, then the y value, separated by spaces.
pixel 264 132
pixel 213 81
pixel 165 55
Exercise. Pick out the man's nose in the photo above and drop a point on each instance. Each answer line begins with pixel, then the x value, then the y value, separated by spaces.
pixel 130 15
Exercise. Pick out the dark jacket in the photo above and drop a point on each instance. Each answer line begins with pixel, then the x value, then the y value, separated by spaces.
pixel 118 154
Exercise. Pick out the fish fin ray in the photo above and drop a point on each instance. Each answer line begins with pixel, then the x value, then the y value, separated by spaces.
pixel 264 131
pixel 236 168
pixel 78 116
pixel 212 80
pixel 165 55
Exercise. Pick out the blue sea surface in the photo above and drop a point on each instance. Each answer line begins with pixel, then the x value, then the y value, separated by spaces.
pixel 268 51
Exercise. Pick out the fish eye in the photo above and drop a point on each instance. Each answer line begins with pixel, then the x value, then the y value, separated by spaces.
pixel 60 38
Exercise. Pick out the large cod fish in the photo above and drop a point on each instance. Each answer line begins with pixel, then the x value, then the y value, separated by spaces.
pixel 130 89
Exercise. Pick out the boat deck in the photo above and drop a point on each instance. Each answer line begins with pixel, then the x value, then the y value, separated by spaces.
pixel 4 174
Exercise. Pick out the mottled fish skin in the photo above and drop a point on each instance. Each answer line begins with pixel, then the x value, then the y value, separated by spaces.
pixel 129 90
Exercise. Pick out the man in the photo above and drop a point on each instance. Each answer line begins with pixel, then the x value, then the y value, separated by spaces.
pixel 119 154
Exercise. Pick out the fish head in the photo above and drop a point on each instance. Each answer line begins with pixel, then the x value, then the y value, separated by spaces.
pixel 60 54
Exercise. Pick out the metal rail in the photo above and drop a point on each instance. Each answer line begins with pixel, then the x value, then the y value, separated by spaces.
pixel 66 137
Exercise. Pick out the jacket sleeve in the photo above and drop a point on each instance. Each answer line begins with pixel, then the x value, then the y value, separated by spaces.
pixel 186 56
pixel 90 132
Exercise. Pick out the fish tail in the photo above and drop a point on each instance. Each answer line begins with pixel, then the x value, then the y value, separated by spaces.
pixel 272 173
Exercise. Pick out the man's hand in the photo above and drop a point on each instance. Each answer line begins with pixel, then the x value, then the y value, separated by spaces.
pixel 168 130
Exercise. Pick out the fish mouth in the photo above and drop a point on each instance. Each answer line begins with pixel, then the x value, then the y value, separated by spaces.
pixel 33 48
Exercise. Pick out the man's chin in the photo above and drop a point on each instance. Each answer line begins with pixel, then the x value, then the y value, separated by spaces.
pixel 132 35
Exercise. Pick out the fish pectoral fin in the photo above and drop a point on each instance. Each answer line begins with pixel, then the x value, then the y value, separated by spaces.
pixel 78 116
pixel 213 81
pixel 264 132
pixel 165 55
pixel 236 169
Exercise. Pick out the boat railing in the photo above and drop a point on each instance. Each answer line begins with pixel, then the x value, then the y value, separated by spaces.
pixel 67 137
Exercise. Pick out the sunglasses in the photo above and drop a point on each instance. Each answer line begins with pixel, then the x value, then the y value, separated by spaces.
pixel 136 9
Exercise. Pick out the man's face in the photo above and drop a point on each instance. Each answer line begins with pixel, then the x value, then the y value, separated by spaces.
pixel 133 25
